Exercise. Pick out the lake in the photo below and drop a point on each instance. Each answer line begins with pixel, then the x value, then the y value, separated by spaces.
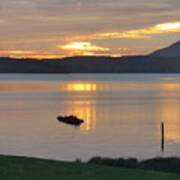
pixel 122 114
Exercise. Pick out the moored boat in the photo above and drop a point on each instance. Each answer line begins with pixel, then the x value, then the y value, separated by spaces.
pixel 72 120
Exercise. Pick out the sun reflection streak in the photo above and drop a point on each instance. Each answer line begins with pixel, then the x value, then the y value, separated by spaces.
pixel 170 115
pixel 81 87
pixel 169 111
pixel 170 86
pixel 86 110
pixel 84 107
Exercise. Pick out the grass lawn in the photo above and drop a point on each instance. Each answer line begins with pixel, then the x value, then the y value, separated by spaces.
pixel 21 168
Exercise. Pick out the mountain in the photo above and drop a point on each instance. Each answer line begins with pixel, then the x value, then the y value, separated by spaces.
pixel 11 65
pixel 166 60
pixel 171 51
pixel 93 64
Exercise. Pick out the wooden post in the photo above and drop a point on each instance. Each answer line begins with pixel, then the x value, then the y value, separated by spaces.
pixel 162 136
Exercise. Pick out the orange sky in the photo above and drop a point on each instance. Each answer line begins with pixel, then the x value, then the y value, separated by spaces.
pixel 59 28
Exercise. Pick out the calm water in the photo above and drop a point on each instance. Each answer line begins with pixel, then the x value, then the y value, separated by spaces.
pixel 122 115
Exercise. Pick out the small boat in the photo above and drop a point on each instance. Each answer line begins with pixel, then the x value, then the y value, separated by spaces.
pixel 72 120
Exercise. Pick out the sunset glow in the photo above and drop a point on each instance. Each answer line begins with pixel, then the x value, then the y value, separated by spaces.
pixel 87 48
pixel 144 33
pixel 57 29
pixel 17 52
pixel 37 57
pixel 83 46
pixel 169 26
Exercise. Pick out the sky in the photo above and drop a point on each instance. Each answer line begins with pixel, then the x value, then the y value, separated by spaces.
pixel 60 28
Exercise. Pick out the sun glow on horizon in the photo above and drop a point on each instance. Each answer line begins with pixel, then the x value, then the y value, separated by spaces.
pixel 17 52
pixel 83 46
pixel 29 54
pixel 37 57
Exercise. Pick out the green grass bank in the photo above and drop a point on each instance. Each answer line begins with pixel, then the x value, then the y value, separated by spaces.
pixel 22 168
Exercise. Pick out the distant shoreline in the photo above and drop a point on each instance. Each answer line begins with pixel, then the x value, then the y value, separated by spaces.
pixel 93 65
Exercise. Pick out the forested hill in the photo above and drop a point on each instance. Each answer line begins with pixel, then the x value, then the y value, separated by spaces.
pixel 92 64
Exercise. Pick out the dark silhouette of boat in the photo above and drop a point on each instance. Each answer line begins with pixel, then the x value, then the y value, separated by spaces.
pixel 72 120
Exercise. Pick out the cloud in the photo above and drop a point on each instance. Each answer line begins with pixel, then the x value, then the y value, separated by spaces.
pixel 41 25
pixel 18 7
pixel 171 27
pixel 17 52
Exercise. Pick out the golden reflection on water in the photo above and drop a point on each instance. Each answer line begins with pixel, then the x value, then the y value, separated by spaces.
pixel 170 86
pixel 86 110
pixel 169 111
pixel 81 87
pixel 83 108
